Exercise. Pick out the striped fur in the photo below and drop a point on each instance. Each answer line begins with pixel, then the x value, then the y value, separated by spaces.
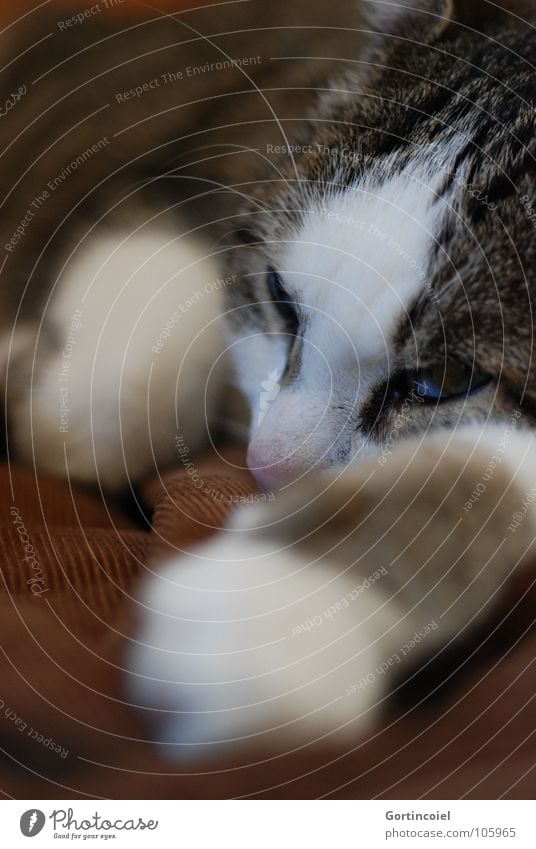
pixel 373 162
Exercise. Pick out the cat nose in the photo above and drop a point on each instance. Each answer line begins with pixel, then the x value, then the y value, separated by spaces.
pixel 270 473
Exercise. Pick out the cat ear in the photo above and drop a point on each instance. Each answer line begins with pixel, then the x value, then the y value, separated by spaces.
pixel 392 16
pixel 432 17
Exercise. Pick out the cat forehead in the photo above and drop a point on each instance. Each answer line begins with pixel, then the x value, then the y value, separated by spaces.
pixel 361 255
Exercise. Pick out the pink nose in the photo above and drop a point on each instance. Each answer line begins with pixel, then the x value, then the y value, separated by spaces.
pixel 269 473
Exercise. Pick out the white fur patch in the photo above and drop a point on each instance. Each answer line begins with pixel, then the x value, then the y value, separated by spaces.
pixel 512 446
pixel 137 322
pixel 359 262
pixel 236 646
pixel 355 267
pixel 247 642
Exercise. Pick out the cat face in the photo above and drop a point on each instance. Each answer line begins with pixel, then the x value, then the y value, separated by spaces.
pixel 387 282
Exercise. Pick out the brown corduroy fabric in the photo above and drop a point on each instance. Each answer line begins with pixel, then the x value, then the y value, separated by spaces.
pixel 67 729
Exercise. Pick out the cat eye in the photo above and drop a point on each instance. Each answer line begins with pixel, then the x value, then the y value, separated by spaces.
pixel 282 301
pixel 444 381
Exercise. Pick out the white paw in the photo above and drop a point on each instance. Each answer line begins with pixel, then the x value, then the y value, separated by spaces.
pixel 134 335
pixel 244 643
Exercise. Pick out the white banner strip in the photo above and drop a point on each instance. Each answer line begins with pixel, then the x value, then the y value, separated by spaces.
pixel 270 824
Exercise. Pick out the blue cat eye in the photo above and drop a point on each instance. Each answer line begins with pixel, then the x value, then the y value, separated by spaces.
pixel 445 381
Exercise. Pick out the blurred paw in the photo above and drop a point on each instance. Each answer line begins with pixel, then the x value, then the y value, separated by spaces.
pixel 245 642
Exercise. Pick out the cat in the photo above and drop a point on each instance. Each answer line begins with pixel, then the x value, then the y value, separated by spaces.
pixel 376 290
pixel 125 164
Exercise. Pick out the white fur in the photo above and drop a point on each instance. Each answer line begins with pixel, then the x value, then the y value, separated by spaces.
pixel 217 659
pixel 348 264
pixel 355 267
pixel 256 357
pixel 222 657
pixel 123 396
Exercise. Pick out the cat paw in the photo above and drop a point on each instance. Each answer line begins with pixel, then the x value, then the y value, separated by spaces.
pixel 250 642
pixel 290 626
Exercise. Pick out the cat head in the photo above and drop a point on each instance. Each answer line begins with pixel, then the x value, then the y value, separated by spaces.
pixel 387 275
